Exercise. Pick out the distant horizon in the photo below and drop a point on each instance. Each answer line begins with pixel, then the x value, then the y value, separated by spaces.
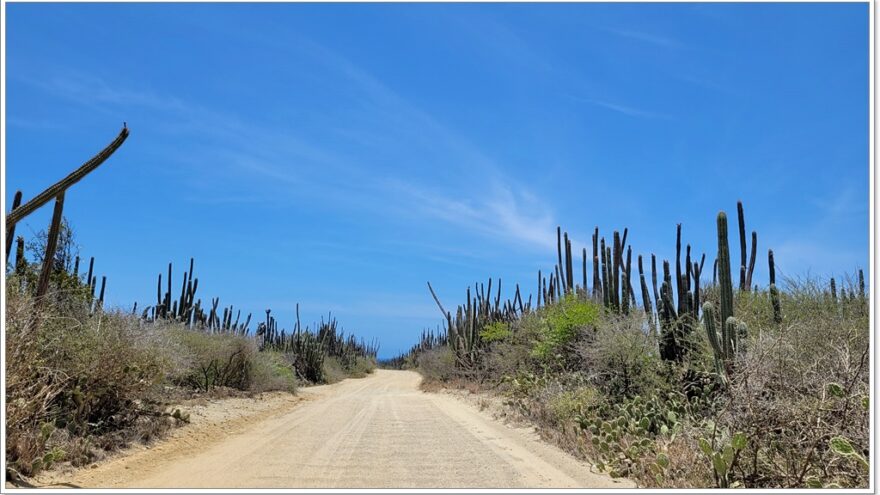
pixel 341 158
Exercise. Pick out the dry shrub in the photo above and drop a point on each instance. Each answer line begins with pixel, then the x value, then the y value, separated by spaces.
pixel 801 384
pixel 437 364
pixel 621 357
pixel 72 376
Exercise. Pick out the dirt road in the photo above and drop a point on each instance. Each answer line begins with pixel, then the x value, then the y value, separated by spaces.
pixel 376 432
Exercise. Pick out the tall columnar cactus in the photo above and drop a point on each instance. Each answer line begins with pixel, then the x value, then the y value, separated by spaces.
pixel 597 278
pixel 772 266
pixel 646 297
pixel 742 246
pixel 752 257
pixel 20 263
pixel 49 253
pixel 680 291
pixel 774 292
pixel 725 284
pixel 559 247
pixel 10 230
pixel 585 270
pixel 714 339
pixel 654 279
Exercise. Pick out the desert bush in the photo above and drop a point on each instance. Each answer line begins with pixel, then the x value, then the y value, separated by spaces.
pixel 272 371
pixel 562 323
pixel 214 360
pixel 437 364
pixel 72 376
pixel 800 388
pixel 495 332
pixel 621 358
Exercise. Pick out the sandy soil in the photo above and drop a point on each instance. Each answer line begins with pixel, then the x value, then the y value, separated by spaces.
pixel 376 432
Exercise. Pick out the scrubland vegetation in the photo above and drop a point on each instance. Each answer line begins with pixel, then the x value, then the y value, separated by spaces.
pixel 82 379
pixel 703 384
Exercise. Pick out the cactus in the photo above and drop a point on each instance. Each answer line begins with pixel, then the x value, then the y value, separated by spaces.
pixel 775 302
pixel 697 271
pixel 752 257
pixel 58 189
pixel 584 269
pixel 725 284
pixel 10 230
pixel 49 254
pixel 646 297
pixel 679 289
pixel 559 247
pixel 861 284
pixel 615 271
pixel 569 266
pixel 712 332
pixel 100 304
pixel 732 339
pixel 742 246
pixel 597 279
pixel 772 266
pixel 654 279
pixel 20 262
pixel 606 293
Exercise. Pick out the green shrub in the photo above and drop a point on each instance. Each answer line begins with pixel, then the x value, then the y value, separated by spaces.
pixel 495 332
pixel 562 323
pixel 272 371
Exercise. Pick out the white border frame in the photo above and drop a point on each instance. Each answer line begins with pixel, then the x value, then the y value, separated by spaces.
pixel 871 264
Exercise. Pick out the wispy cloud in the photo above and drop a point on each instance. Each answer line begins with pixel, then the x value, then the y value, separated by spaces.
pixel 846 201
pixel 500 212
pixel 628 110
pixel 651 38
pixel 288 160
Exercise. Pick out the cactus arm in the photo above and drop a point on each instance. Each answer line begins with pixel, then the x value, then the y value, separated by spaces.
pixel 59 187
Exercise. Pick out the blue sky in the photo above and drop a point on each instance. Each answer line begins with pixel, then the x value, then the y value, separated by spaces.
pixel 339 156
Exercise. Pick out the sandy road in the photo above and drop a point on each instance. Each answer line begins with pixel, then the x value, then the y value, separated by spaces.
pixel 376 432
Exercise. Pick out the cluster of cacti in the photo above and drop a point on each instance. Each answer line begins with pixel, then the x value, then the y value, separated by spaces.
pixel 849 296
pixel 428 340
pixel 308 349
pixel 61 279
pixel 623 434
pixel 612 273
pixel 673 308
pixel 188 310
pixel 55 191
pixel 463 330
pixel 726 343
